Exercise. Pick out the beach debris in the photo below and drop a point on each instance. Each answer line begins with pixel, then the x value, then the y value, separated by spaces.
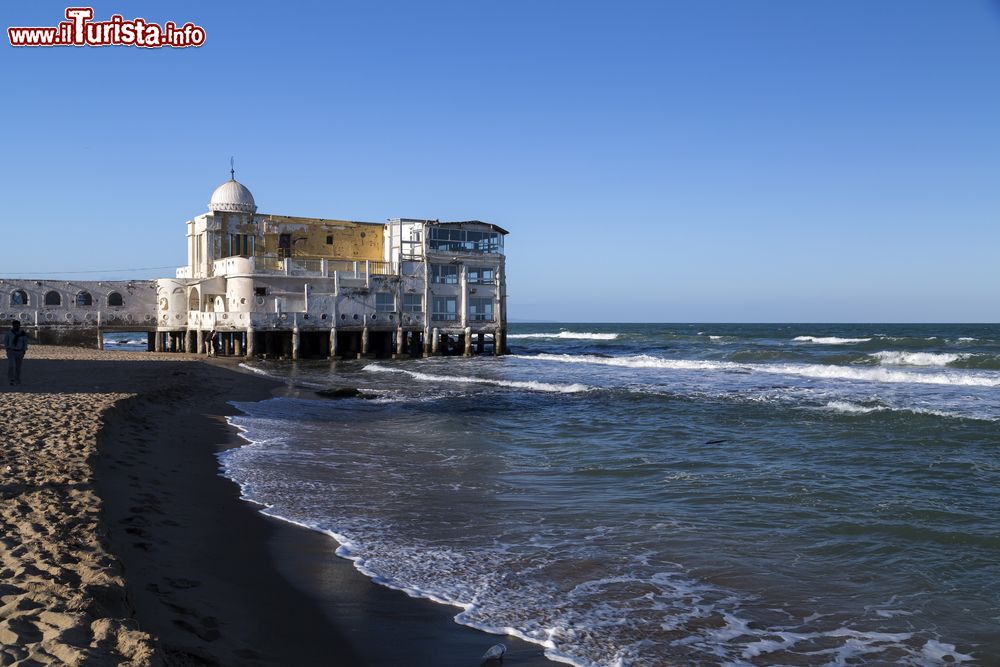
pixel 344 392
pixel 494 653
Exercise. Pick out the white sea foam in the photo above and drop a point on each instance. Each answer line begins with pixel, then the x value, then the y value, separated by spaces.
pixel 573 335
pixel 853 408
pixel 830 340
pixel 530 385
pixel 895 358
pixel 862 374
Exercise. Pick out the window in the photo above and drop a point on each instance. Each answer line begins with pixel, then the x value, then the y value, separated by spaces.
pixel 240 245
pixel 84 299
pixel 18 298
pixel 329 240
pixel 481 309
pixel 445 308
pixel 480 275
pixel 444 274
pixel 115 299
pixel 53 299
pixel 384 302
pixel 260 291
pixel 447 239
pixel 413 303
pixel 284 245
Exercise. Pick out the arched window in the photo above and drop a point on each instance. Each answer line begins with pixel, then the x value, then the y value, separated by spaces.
pixel 84 299
pixel 115 299
pixel 19 298
pixel 194 303
pixel 53 299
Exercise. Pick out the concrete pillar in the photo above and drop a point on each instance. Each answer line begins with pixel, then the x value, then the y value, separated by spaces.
pixel 364 342
pixel 467 338
pixel 333 342
pixel 400 340
pixel 436 341
pixel 427 342
pixel 200 338
pixel 296 342
pixel 251 343
pixel 497 350
pixel 189 341
pixel 100 339
pixel 227 339
pixel 238 344
pixel 480 343
pixel 158 345
pixel 150 341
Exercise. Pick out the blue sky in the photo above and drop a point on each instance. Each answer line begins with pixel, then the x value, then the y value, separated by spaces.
pixel 740 160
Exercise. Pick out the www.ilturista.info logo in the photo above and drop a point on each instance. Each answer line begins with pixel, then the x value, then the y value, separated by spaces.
pixel 80 30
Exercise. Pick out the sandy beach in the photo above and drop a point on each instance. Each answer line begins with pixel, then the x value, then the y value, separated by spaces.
pixel 122 544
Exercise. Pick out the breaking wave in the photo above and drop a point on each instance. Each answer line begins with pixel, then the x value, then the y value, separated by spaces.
pixel 830 340
pixel 574 335
pixel 530 385
pixel 917 358
pixel 877 374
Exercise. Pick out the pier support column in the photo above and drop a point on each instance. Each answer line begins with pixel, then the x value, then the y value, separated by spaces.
pixel 480 343
pixel 200 338
pixel 251 347
pixel 238 344
pixel 467 339
pixel 427 342
pixel 150 341
pixel 100 339
pixel 333 342
pixel 158 342
pixel 400 342
pixel 364 342
pixel 296 342
pixel 189 341
pixel 436 341
pixel 227 342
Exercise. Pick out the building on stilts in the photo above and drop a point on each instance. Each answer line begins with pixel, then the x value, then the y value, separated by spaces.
pixel 291 287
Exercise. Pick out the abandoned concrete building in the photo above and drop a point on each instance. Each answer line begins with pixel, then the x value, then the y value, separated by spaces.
pixel 283 286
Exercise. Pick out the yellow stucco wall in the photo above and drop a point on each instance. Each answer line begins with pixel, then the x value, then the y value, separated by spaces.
pixel 351 240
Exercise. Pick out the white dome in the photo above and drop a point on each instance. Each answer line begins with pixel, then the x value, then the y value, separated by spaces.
pixel 232 197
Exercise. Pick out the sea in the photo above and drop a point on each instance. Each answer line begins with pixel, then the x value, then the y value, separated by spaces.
pixel 665 494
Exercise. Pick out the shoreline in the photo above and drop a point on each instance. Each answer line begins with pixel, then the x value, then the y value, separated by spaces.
pixel 205 573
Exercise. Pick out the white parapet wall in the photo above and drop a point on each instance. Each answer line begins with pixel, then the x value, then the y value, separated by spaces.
pixel 74 311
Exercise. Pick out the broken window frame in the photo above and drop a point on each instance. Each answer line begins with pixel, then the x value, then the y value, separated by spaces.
pixel 481 309
pixel 445 308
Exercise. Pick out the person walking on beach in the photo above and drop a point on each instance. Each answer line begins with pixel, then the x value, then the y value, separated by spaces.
pixel 15 342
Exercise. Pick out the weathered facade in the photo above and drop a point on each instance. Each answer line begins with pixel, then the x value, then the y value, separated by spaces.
pixel 285 286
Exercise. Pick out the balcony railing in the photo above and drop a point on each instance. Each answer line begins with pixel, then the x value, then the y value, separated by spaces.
pixel 303 267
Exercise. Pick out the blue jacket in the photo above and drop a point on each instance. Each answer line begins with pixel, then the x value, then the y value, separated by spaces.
pixel 16 342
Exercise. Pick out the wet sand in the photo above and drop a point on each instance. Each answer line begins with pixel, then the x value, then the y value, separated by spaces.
pixel 122 544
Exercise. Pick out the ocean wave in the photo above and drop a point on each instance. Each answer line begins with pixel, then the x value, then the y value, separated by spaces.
pixel 571 335
pixel 877 374
pixel 530 385
pixel 847 407
pixel 829 340
pixel 895 358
